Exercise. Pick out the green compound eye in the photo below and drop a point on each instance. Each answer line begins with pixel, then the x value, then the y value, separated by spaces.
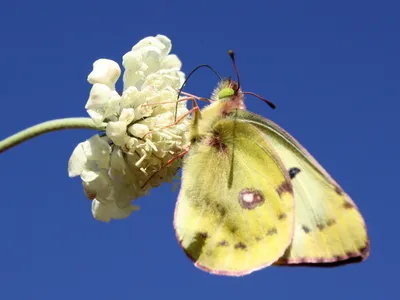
pixel 225 93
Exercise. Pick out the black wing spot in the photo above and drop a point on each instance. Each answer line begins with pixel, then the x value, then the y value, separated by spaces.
pixel 223 243
pixel 293 172
pixel 348 205
pixel 240 245
pixel 282 216
pixel 338 190
pixel 306 229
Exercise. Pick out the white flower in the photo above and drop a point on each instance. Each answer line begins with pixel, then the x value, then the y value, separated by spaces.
pixel 115 165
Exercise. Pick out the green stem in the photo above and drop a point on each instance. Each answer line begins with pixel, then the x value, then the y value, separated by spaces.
pixel 48 126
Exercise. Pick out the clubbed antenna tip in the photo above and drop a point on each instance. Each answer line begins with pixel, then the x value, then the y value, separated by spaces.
pixel 272 105
pixel 232 55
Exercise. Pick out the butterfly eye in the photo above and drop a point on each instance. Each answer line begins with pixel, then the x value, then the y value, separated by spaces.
pixel 225 93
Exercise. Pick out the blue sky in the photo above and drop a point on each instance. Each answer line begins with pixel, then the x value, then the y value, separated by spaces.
pixel 332 68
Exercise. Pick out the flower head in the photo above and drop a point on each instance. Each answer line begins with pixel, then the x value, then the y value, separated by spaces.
pixel 136 143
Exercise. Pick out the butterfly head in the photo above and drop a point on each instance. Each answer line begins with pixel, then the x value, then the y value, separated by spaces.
pixel 227 89
pixel 229 92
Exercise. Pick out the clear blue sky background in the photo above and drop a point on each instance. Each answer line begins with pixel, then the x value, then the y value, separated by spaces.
pixel 332 68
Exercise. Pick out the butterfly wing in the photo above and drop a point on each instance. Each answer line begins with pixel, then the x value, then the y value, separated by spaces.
pixel 234 213
pixel 328 226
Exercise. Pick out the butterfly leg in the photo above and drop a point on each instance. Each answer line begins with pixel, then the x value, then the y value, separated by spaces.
pixel 167 163
pixel 197 98
pixel 168 102
pixel 195 108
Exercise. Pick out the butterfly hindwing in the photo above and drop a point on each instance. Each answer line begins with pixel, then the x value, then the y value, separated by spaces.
pixel 235 212
pixel 328 226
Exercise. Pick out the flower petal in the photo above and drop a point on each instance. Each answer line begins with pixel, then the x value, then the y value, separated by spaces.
pixel 166 42
pixel 98 100
pixel 129 96
pixel 116 131
pixel 149 43
pixel 138 130
pixel 107 211
pixel 98 149
pixel 127 115
pixel 171 62
pixel 77 161
pixel 105 71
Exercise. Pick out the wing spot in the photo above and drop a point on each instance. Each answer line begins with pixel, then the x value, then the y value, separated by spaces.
pixel 232 229
pixel 223 244
pixel 241 246
pixel 348 205
pixel 251 198
pixel 320 226
pixel 285 187
pixel 305 229
pixel 258 239
pixel 293 172
pixel 221 209
pixel 338 190
pixel 203 235
pixel 272 231
pixel 282 216
pixel 331 222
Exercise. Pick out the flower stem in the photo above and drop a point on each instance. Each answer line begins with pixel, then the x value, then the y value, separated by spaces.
pixel 48 126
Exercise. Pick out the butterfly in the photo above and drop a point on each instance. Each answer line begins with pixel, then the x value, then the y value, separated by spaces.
pixel 252 196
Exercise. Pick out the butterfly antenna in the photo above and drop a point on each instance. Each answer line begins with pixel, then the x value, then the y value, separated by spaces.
pixel 232 55
pixel 272 105
pixel 187 78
